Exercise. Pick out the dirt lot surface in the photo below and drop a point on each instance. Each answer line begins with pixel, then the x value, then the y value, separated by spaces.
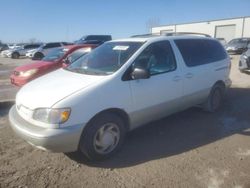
pixel 7 91
pixel 189 149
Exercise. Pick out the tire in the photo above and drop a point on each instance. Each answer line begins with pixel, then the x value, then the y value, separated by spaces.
pixel 102 137
pixel 15 55
pixel 37 56
pixel 215 98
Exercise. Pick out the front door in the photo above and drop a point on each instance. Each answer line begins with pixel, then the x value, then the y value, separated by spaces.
pixel 160 94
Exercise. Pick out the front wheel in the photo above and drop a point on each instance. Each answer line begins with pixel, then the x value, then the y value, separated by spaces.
pixel 102 137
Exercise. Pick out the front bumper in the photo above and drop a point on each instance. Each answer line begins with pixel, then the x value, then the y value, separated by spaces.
pixel 18 81
pixel 64 139
pixel 244 64
pixel 236 51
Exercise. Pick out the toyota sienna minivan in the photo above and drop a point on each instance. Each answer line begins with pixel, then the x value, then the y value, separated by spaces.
pixel 90 105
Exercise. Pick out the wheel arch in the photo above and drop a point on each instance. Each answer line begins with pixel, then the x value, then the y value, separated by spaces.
pixel 221 83
pixel 117 111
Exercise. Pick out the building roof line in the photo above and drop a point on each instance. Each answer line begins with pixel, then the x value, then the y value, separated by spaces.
pixel 202 21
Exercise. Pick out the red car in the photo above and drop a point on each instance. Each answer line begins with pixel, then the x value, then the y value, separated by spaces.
pixel 57 58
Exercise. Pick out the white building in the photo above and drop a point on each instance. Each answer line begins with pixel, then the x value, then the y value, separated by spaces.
pixel 224 28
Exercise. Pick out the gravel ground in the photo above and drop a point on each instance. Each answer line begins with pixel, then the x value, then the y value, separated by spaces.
pixel 7 91
pixel 189 149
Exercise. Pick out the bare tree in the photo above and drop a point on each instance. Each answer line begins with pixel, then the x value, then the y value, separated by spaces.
pixel 152 22
pixel 32 40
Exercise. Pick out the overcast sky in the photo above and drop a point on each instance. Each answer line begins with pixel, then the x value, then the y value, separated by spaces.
pixel 68 20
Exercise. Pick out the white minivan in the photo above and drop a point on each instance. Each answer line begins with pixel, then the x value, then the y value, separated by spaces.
pixel 90 105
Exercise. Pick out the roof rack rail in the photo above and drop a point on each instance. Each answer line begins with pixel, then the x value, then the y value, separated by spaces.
pixel 185 33
pixel 171 34
pixel 145 35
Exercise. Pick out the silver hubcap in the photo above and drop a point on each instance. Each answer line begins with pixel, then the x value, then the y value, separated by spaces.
pixel 106 138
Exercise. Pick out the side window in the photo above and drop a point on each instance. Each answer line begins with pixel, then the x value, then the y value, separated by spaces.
pixel 52 45
pixel 197 52
pixel 27 46
pixel 157 57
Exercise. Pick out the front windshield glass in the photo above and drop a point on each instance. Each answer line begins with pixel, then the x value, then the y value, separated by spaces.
pixel 106 59
pixel 55 54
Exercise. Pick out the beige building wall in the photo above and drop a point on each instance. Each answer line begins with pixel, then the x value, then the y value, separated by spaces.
pixel 209 27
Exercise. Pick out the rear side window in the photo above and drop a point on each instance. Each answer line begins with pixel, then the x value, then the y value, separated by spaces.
pixel 31 46
pixel 52 45
pixel 200 51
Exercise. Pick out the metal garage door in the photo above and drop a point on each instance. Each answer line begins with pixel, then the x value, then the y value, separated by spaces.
pixel 226 31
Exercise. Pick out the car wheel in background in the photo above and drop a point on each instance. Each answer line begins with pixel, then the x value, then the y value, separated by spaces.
pixel 15 55
pixel 37 56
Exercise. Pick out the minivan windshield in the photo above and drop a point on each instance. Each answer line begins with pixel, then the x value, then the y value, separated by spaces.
pixel 106 59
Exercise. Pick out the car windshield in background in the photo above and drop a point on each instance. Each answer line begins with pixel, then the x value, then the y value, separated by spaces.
pixel 55 54
pixel 238 41
pixel 106 59
pixel 78 53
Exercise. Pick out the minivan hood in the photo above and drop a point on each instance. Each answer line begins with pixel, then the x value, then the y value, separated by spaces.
pixel 49 89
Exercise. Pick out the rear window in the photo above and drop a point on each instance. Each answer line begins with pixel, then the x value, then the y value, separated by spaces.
pixel 200 51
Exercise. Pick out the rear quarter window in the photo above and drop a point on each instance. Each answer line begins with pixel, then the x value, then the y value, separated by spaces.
pixel 197 52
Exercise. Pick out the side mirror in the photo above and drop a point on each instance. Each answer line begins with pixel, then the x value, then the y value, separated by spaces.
pixel 140 73
pixel 67 61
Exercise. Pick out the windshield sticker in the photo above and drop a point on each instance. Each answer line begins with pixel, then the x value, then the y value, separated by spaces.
pixel 123 48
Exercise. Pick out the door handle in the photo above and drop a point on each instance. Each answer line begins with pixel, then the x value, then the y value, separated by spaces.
pixel 177 78
pixel 189 75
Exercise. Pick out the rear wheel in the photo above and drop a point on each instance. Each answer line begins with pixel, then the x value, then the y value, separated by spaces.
pixel 102 137
pixel 15 55
pixel 215 98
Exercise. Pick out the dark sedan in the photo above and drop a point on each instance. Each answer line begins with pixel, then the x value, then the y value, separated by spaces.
pixel 238 45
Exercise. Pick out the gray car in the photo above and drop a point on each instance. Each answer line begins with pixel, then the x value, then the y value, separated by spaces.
pixel 238 45
pixel 21 51
pixel 244 63
pixel 46 48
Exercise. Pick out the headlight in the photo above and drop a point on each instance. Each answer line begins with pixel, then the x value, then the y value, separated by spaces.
pixel 28 73
pixel 52 116
pixel 245 57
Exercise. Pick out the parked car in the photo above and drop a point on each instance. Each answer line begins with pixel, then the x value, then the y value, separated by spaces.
pixel 12 46
pixel 238 46
pixel 16 53
pixel 3 47
pixel 244 63
pixel 30 53
pixel 90 105
pixel 46 48
pixel 94 39
pixel 8 52
pixel 52 61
